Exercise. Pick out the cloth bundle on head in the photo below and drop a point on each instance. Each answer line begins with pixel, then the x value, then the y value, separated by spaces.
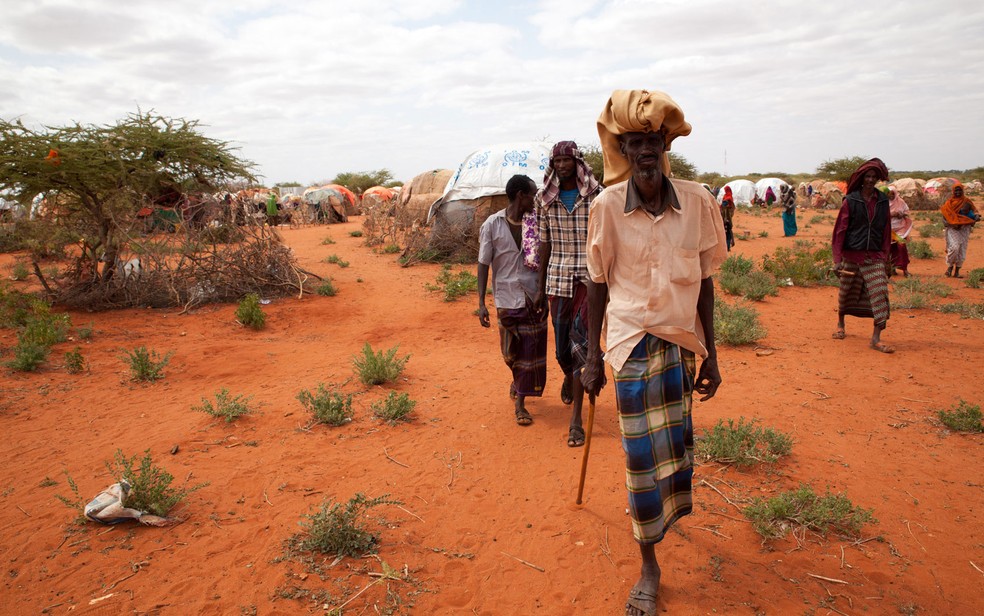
pixel 586 182
pixel 637 111
pixel 854 184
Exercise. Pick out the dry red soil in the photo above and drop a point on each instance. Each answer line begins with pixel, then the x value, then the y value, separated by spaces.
pixel 488 523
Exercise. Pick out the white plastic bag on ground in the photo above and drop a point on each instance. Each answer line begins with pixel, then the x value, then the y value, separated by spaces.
pixel 107 508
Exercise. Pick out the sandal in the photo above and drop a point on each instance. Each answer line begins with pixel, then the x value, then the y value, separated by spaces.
pixel 839 334
pixel 882 347
pixel 523 417
pixel 575 436
pixel 565 390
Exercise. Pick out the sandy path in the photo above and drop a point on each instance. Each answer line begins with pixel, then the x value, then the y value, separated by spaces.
pixel 479 492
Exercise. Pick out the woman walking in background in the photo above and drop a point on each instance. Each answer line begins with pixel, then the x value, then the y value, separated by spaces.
pixel 788 202
pixel 901 227
pixel 959 215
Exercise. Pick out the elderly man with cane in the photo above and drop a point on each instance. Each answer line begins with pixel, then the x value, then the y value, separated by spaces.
pixel 653 243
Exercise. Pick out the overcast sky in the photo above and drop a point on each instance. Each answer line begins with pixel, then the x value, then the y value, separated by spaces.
pixel 311 88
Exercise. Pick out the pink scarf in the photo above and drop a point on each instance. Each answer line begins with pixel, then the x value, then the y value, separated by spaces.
pixel 899 209
pixel 531 240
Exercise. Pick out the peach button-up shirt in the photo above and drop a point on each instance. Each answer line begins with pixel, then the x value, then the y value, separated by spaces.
pixel 653 265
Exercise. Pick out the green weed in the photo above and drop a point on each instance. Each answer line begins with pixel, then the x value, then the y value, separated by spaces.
pixel 225 407
pixel 763 234
pixel 249 313
pixel 802 265
pixel 43 328
pixel 150 486
pixel 146 365
pixel 738 276
pixel 378 367
pixel 328 241
pixel 736 325
pixel 327 405
pixel 743 444
pixel 931 229
pixel 454 285
pixel 355 233
pixel 975 278
pixel 395 407
pixel 965 310
pixel 341 530
pixel 15 306
pixel 819 218
pixel 327 288
pixel 85 332
pixel 19 271
pixel 75 502
pixel 337 261
pixel 920 249
pixel 933 288
pixel 74 362
pixel 391 249
pixel 964 417
pixel 802 508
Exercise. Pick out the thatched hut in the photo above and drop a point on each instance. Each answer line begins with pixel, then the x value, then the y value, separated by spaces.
pixel 417 195
pixel 912 192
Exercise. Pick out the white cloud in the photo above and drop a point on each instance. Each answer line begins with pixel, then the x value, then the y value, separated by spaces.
pixel 310 88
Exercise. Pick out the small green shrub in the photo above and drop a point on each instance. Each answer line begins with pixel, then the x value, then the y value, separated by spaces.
pixel 75 502
pixel 965 310
pixel 15 306
pixel 763 234
pixel 249 313
pixel 920 249
pixel 817 219
pixel 84 332
pixel 327 288
pixel 328 241
pixel 328 406
pixel 933 288
pixel 74 362
pixel 736 325
pixel 739 277
pixel 975 278
pixel 391 249
pixel 931 229
pixel 146 365
pixel 802 265
pixel 43 328
pixel 907 299
pixel 341 530
pixel 395 407
pixel 454 285
pixel 19 271
pixel 355 233
pixel 28 356
pixel 337 261
pixel 225 407
pixel 964 417
pixel 802 508
pixel 150 485
pixel 376 368
pixel 743 444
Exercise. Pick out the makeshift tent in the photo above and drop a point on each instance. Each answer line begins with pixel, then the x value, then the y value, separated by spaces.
pixel 940 185
pixel 478 189
pixel 827 195
pixel 327 204
pixel 765 183
pixel 421 192
pixel 742 190
pixel 377 195
pixel 351 202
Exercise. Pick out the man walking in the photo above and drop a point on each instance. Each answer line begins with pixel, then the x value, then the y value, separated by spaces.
pixel 569 187
pixel 652 246
pixel 522 327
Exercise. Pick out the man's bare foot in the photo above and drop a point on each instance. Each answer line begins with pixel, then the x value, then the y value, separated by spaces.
pixel 642 597
pixel 840 334
pixel 882 347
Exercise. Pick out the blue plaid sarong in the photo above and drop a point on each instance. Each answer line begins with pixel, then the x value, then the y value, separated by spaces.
pixel 654 392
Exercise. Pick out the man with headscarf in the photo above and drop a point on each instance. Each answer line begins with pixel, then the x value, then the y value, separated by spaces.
pixel 653 244
pixel 569 187
pixel 959 215
pixel 861 251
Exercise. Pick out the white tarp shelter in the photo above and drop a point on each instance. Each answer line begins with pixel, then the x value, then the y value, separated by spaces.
pixel 742 190
pixel 774 183
pixel 485 171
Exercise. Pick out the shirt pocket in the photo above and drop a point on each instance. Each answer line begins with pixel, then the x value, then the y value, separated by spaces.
pixel 685 266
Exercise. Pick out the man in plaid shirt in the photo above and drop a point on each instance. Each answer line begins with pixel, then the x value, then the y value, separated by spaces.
pixel 569 187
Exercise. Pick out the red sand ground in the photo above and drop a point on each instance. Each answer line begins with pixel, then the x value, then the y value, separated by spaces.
pixel 481 495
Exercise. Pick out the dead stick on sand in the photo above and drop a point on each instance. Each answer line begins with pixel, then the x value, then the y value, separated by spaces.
pixel 711 530
pixel 704 482
pixel 975 567
pixel 528 564
pixel 267 498
pixel 386 453
pixel 587 447
pixel 411 513
pixel 914 400
pixel 24 512
pixel 827 579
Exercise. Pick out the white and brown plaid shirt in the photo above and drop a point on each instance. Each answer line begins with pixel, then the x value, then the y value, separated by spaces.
pixel 567 234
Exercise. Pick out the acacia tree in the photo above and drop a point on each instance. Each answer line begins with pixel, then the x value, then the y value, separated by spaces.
pixel 840 168
pixel 97 178
pixel 359 182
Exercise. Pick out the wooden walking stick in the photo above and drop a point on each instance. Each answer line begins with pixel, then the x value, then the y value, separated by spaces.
pixel 587 447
